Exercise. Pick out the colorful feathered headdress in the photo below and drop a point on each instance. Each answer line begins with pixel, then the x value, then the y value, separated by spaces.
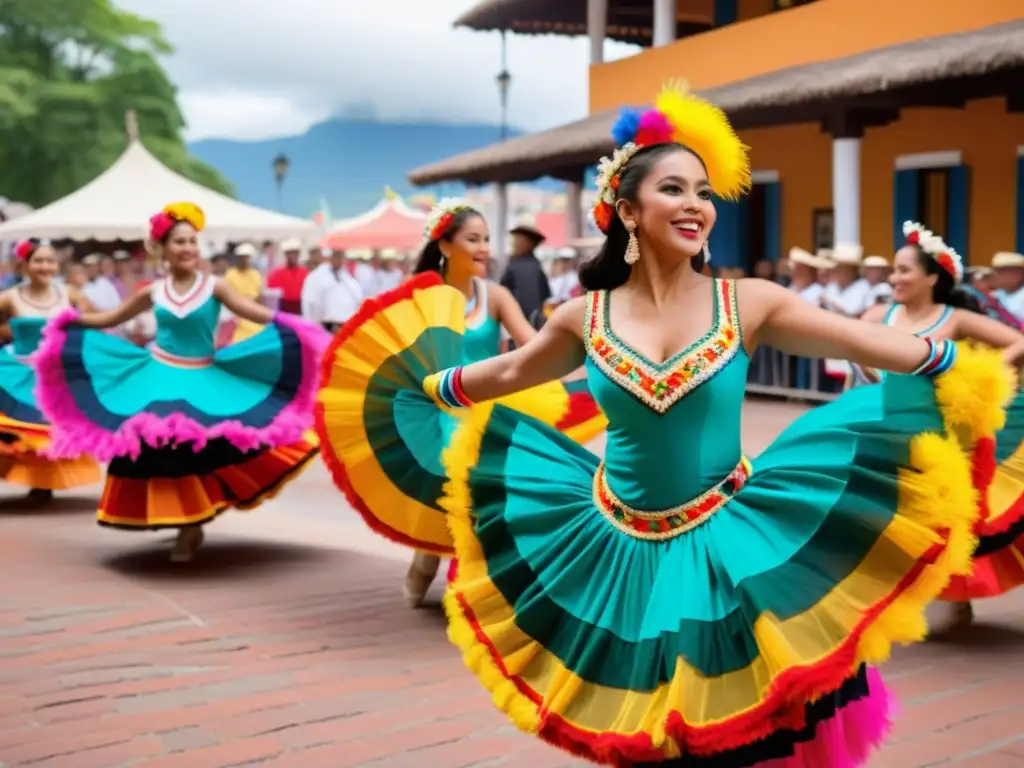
pixel 163 222
pixel 933 245
pixel 442 215
pixel 679 117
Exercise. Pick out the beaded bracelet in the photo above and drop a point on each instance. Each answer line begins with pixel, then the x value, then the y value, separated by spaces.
pixel 940 358
pixel 446 388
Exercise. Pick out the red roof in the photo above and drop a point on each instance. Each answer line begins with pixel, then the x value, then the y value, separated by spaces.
pixel 389 224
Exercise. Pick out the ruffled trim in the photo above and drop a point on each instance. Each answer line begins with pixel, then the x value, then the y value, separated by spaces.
pixel 206 508
pixel 584 420
pixel 74 433
pixel 335 466
pixel 941 497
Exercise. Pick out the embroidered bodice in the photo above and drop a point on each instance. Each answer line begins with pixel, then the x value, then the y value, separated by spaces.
pixel 29 318
pixel 483 333
pixel 186 324
pixel 674 428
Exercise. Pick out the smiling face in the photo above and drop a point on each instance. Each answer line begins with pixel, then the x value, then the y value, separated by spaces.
pixel 673 212
pixel 469 249
pixel 180 248
pixel 42 265
pixel 910 280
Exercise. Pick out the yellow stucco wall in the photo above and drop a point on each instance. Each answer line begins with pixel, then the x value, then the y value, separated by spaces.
pixel 827 29
pixel 985 134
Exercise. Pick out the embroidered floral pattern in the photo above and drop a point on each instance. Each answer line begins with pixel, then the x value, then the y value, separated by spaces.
pixel 660 387
pixel 667 523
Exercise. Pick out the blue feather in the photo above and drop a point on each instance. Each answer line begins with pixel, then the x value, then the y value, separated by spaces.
pixel 624 130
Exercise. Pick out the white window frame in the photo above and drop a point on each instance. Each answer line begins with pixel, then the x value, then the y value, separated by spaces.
pixel 925 160
pixel 764 177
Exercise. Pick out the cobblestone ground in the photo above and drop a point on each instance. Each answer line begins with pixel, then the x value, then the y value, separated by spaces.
pixel 280 647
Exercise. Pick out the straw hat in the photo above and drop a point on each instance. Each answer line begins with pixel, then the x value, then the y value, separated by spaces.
pixel 566 253
pixel 800 256
pixel 92 258
pixel 391 254
pixel 527 225
pixel 1007 260
pixel 977 273
pixel 847 254
pixel 246 249
pixel 359 254
pixel 876 261
pixel 291 245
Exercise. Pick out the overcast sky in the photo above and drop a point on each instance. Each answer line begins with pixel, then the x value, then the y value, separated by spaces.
pixel 263 68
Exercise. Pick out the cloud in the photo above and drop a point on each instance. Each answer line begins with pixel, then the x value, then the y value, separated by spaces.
pixel 261 68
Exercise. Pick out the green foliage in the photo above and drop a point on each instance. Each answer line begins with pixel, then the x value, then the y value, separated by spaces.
pixel 69 71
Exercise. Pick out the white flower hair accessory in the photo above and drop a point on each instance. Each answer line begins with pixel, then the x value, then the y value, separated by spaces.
pixel 945 256
pixel 608 171
pixel 442 215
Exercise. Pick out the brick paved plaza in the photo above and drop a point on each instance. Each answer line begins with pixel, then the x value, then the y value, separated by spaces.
pixel 286 644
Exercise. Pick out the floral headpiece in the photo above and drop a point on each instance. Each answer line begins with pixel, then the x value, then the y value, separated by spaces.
pixel 24 250
pixel 683 118
pixel 442 215
pixel 934 246
pixel 175 213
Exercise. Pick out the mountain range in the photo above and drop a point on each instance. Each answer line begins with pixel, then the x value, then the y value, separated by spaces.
pixel 344 162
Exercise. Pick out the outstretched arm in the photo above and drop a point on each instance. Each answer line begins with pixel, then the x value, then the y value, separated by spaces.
pixel 971 325
pixel 781 319
pixel 134 305
pixel 247 309
pixel 555 352
pixel 510 315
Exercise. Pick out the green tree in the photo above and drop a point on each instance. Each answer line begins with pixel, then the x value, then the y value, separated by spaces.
pixel 69 71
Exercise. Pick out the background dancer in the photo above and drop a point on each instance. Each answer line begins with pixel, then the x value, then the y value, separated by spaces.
pixel 24 431
pixel 189 431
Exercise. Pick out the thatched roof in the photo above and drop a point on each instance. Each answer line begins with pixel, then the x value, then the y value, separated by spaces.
pixel 942 71
pixel 631 21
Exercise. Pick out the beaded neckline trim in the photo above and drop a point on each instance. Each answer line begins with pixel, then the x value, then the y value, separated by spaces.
pixel 660 386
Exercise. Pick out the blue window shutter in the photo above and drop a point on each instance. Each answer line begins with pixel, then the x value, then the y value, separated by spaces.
pixel 741 239
pixel 724 241
pixel 904 203
pixel 725 12
pixel 773 221
pixel 959 213
pixel 1020 204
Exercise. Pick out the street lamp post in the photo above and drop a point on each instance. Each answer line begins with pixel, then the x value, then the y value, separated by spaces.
pixel 280 165
pixel 504 81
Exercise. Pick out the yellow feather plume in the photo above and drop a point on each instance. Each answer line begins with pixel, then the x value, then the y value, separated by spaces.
pixel 705 129
pixel 187 212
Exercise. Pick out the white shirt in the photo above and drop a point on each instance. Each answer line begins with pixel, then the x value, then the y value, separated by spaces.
pixel 881 293
pixel 368 278
pixel 102 294
pixel 389 279
pixel 329 296
pixel 1014 302
pixel 853 300
pixel 811 294
pixel 562 286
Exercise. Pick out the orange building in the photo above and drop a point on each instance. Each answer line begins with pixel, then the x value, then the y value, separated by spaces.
pixel 860 114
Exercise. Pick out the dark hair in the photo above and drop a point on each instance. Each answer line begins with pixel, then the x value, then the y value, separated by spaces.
pixel 945 290
pixel 608 269
pixel 431 259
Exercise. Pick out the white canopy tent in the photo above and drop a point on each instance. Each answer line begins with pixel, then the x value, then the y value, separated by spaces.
pixel 117 204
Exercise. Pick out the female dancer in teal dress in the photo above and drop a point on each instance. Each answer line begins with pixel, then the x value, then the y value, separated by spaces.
pixel 403 506
pixel 189 431
pixel 24 431
pixel 929 301
pixel 674 602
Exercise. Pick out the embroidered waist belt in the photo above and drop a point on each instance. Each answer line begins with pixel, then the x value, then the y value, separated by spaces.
pixel 177 360
pixel 667 523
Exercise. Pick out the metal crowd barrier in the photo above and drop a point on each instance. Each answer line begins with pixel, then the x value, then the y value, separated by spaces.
pixel 776 374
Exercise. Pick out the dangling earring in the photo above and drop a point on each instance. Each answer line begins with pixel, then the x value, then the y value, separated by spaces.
pixel 707 253
pixel 632 247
